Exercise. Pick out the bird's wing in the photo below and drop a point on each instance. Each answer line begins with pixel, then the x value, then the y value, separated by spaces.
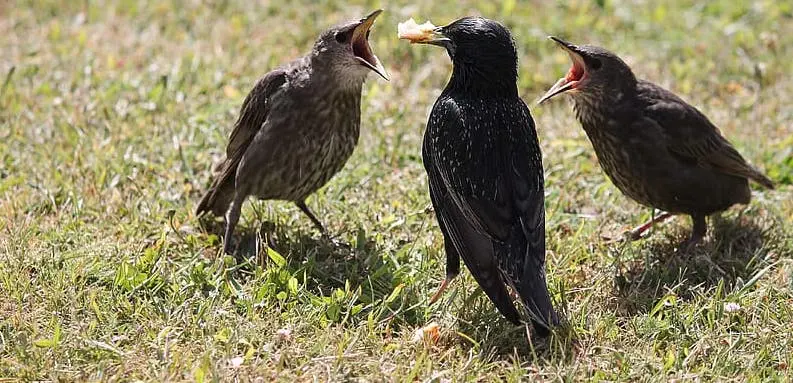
pixel 692 137
pixel 476 249
pixel 253 114
pixel 523 254
pixel 480 194
pixel 495 196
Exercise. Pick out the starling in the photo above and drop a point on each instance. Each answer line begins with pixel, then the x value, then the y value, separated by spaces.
pixel 297 127
pixel 484 167
pixel 656 148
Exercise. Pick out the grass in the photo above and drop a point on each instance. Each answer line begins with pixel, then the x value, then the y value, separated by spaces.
pixel 112 114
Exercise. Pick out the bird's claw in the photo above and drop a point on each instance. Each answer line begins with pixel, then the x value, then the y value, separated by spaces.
pixel 626 236
pixel 688 245
pixel 228 248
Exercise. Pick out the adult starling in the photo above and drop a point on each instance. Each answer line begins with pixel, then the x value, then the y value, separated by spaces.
pixel 656 148
pixel 297 127
pixel 485 170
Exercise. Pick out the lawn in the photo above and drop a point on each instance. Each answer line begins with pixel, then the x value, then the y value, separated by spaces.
pixel 113 114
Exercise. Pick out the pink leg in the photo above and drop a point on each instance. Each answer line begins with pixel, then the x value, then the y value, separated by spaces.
pixel 637 232
pixel 441 289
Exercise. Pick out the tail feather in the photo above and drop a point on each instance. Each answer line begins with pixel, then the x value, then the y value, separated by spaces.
pixel 217 199
pixel 761 179
pixel 522 260
pixel 534 294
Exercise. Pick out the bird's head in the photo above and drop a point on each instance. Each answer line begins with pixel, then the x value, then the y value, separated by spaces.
pixel 594 72
pixel 476 46
pixel 345 49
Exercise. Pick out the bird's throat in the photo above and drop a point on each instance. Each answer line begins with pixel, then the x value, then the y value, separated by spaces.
pixel 590 110
pixel 476 80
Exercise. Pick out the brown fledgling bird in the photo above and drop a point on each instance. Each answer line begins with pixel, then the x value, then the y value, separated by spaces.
pixel 297 127
pixel 656 148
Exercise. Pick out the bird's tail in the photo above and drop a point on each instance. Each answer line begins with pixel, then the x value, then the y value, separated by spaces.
pixel 528 279
pixel 218 198
pixel 761 179
pixel 533 292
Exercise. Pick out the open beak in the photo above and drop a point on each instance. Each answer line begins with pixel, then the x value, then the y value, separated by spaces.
pixel 360 45
pixel 575 75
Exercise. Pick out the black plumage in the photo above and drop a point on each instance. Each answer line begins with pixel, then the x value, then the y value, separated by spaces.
pixel 485 171
pixel 297 127
pixel 656 148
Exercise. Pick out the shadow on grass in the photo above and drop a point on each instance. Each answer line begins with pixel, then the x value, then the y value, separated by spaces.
pixel 733 250
pixel 330 261
pixel 500 340
pixel 328 264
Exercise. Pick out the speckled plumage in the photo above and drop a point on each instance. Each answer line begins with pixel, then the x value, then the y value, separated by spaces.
pixel 296 130
pixel 656 148
pixel 485 172
pixel 294 154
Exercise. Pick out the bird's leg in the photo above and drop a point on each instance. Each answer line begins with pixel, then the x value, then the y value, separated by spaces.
pixel 637 232
pixel 452 269
pixel 698 231
pixel 441 289
pixel 302 205
pixel 232 217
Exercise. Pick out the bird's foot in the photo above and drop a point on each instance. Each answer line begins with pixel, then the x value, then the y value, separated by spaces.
pixel 268 235
pixel 689 244
pixel 335 241
pixel 612 240
pixel 626 236
pixel 713 265
pixel 228 247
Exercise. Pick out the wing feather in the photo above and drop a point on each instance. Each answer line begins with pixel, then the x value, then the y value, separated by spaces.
pixel 491 200
pixel 691 136
pixel 253 114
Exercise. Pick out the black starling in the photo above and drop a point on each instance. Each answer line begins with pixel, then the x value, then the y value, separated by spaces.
pixel 297 127
pixel 656 148
pixel 485 170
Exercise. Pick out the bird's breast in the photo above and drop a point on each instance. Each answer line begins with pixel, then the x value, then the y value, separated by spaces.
pixel 316 137
pixel 335 135
pixel 625 169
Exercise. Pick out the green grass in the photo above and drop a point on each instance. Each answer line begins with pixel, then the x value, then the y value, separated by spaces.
pixel 113 113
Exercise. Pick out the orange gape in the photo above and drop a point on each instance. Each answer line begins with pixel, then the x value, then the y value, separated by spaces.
pixel 575 73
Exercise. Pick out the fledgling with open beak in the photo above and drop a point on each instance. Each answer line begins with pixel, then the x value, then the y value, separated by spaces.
pixel 297 127
pixel 656 148
pixel 484 167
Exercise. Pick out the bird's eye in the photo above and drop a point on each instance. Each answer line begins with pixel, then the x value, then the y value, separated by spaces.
pixel 595 64
pixel 341 37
